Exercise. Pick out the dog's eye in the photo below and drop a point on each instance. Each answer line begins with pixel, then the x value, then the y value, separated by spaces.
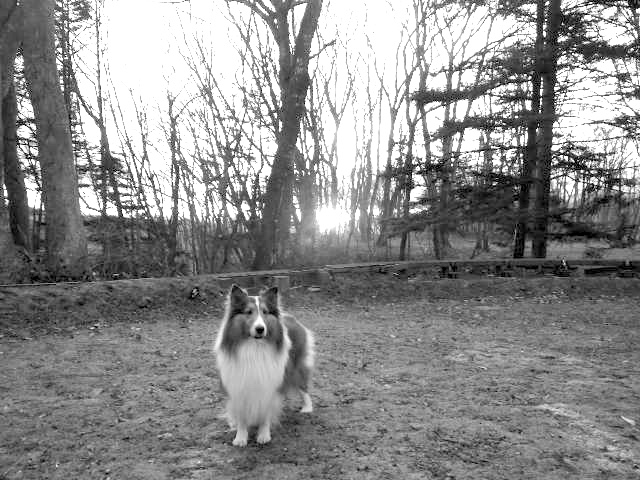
pixel 265 311
pixel 248 311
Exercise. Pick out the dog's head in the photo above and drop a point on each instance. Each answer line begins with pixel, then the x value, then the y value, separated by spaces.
pixel 253 317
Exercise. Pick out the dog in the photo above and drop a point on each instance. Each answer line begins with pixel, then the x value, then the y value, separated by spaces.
pixel 262 354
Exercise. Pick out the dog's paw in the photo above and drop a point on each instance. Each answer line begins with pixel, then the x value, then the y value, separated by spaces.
pixel 307 404
pixel 240 440
pixel 263 437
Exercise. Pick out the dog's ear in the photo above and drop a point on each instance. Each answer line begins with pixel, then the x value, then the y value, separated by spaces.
pixel 237 296
pixel 271 300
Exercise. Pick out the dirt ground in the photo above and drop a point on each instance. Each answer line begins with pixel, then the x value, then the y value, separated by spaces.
pixel 493 380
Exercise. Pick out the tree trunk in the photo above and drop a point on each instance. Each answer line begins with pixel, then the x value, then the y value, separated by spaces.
pixel 294 83
pixel 66 240
pixel 174 145
pixel 307 201
pixel 376 180
pixel 529 157
pixel 549 77
pixel 386 208
pixel 14 179
pixel 364 221
pixel 441 228
pixel 430 178
pixel 444 173
pixel 407 184
pixel 10 34
pixel 356 197
pixel 484 224
pixel 107 160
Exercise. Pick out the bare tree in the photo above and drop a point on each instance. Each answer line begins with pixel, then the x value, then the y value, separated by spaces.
pixel 365 219
pixel 105 174
pixel 293 80
pixel 395 100
pixel 337 107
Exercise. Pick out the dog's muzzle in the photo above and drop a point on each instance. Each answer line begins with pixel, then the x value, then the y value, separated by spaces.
pixel 259 331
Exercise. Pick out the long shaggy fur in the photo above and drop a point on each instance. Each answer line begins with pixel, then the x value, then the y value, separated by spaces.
pixel 262 354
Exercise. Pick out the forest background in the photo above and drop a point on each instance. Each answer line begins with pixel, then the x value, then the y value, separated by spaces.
pixel 185 137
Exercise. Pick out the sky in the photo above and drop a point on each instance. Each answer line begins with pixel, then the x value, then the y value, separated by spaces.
pixel 144 35
pixel 145 47
pixel 146 42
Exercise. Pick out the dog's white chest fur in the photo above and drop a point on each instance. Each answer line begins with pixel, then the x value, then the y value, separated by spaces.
pixel 252 375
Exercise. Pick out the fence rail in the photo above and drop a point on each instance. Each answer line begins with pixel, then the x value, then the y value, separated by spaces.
pixel 446 269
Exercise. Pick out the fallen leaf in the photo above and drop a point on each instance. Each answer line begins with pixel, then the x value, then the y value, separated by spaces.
pixel 629 421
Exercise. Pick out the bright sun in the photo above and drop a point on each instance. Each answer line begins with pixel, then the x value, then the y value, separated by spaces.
pixel 330 218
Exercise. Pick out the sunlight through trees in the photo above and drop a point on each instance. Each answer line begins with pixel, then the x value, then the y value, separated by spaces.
pixel 256 134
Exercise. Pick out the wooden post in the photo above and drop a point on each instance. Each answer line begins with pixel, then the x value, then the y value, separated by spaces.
pixel 282 282
pixel 324 276
pixel 225 283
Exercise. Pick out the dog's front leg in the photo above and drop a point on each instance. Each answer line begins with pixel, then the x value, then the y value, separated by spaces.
pixel 264 433
pixel 242 435
pixel 307 405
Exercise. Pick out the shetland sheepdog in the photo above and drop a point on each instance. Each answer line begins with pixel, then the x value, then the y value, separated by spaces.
pixel 262 354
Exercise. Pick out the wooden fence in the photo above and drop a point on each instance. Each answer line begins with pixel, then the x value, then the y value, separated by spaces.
pixel 434 268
